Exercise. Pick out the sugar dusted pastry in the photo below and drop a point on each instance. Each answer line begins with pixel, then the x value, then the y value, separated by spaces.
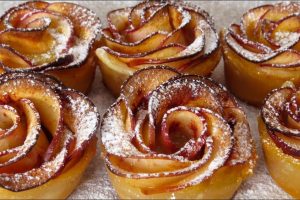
pixel 279 126
pixel 54 38
pixel 170 135
pixel 157 33
pixel 262 51
pixel 47 137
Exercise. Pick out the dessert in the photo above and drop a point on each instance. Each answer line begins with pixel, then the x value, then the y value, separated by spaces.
pixel 170 135
pixel 47 136
pixel 279 126
pixel 170 33
pixel 54 38
pixel 262 51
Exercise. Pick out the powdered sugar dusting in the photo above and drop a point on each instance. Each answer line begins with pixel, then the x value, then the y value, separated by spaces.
pixel 28 106
pixel 118 137
pixel 115 138
pixel 73 30
pixel 86 118
pixel 286 38
pixel 268 27
pixel 205 37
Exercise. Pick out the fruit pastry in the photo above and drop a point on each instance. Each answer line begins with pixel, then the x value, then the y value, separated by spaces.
pixel 47 136
pixel 170 135
pixel 54 38
pixel 157 33
pixel 262 51
pixel 279 126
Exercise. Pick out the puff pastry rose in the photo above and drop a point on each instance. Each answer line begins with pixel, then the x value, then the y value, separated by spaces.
pixel 54 38
pixel 279 127
pixel 47 137
pixel 176 136
pixel 157 33
pixel 262 52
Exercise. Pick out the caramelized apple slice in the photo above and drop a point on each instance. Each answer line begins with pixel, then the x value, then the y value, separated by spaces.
pixel 159 20
pixel 250 18
pixel 281 10
pixel 147 44
pixel 5 58
pixel 38 176
pixel 139 86
pixel 256 47
pixel 288 58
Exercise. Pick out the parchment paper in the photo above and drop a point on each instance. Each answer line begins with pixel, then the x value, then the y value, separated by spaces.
pixel 95 183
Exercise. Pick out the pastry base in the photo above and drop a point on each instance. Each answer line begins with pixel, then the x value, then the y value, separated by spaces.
pixel 79 78
pixel 284 169
pixel 222 185
pixel 251 82
pixel 114 72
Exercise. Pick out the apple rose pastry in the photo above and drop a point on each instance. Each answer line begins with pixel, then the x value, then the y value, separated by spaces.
pixel 47 137
pixel 176 136
pixel 54 38
pixel 262 52
pixel 279 127
pixel 161 33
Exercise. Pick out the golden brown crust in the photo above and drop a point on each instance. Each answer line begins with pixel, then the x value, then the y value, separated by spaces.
pixel 47 131
pixel 170 33
pixel 262 51
pixel 172 135
pixel 55 38
pixel 279 126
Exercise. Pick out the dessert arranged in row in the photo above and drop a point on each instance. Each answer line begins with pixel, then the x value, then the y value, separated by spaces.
pixel 172 133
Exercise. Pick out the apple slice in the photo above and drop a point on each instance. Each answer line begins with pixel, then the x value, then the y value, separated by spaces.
pixel 141 13
pixel 9 58
pixel 37 176
pixel 159 20
pixel 281 10
pixel 288 58
pixel 286 33
pixel 82 118
pixel 147 44
pixel 293 111
pixel 12 131
pixel 33 131
pixel 256 47
pixel 36 4
pixel 251 17
pixel 275 102
pixel 182 132
pixel 287 24
pixel 118 21
pixel 141 84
